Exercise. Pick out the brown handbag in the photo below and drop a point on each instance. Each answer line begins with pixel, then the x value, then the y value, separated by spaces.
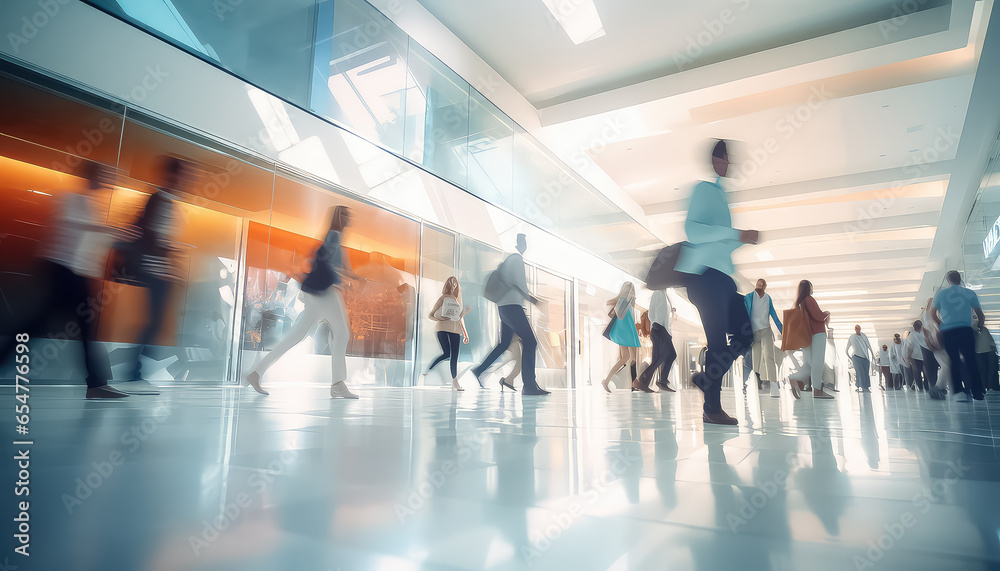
pixel 796 333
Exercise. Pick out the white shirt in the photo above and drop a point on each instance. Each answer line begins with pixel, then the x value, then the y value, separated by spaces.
pixel 760 312
pixel 862 348
pixel 75 245
pixel 918 338
pixel 896 358
pixel 512 274
pixel 883 358
pixel 659 309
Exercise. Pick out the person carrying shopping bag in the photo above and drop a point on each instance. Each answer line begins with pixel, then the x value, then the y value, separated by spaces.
pixel 621 330
pixel 450 328
pixel 814 354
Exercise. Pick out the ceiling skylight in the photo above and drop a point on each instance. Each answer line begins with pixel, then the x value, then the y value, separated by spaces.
pixel 579 18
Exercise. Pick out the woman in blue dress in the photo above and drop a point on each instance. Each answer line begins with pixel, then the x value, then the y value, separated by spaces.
pixel 622 331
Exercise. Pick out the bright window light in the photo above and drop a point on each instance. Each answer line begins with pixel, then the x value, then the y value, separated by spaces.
pixel 765 256
pixel 847 293
pixel 579 18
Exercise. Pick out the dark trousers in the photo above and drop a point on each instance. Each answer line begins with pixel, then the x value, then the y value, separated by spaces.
pixel 918 374
pixel 663 358
pixel 886 377
pixel 987 363
pixel 514 320
pixel 68 295
pixel 723 313
pixel 897 381
pixel 158 291
pixel 450 344
pixel 861 368
pixel 960 344
pixel 931 367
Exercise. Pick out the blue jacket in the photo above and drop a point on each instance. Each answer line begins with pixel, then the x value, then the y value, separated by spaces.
pixel 749 299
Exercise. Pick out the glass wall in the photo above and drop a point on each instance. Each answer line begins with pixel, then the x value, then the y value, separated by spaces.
pixel 345 61
pixel 550 321
pixel 437 264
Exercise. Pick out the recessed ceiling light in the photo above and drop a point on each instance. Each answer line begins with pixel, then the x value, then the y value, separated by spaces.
pixel 775 272
pixel 578 18
pixel 765 256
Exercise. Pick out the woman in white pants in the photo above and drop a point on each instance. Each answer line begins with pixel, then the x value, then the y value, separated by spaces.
pixel 323 303
pixel 814 356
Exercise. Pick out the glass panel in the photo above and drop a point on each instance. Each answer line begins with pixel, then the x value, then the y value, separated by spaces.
pixel 269 44
pixel 359 72
pixel 381 246
pixel 549 319
pixel 597 353
pixel 475 261
pixel 437 117
pixel 491 152
pixel 437 264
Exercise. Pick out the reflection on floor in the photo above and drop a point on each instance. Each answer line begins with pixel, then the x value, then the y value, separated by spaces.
pixel 403 479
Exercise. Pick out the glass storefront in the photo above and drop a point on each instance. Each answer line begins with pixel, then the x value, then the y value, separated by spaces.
pixel 246 232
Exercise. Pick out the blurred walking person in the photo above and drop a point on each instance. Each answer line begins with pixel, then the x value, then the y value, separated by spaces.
pixel 986 355
pixel 896 362
pixel 858 351
pixel 706 262
pixel 151 260
pixel 814 356
pixel 762 313
pixel 883 363
pixel 450 328
pixel 664 353
pixel 511 355
pixel 508 288
pixel 323 303
pixel 70 263
pixel 917 359
pixel 622 331
pixel 952 312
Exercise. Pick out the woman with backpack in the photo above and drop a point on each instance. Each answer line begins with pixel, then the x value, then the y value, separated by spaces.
pixel 323 302
pixel 448 314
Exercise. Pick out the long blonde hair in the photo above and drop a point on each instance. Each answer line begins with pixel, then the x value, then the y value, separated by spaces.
pixel 627 291
pixel 453 288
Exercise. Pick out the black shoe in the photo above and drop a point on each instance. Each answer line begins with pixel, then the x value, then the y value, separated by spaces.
pixel 138 387
pixel 979 396
pixel 504 383
pixel 719 418
pixel 665 387
pixel 105 392
pixel 536 391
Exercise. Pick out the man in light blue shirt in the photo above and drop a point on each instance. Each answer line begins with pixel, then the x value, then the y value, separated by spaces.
pixel 952 310
pixel 706 261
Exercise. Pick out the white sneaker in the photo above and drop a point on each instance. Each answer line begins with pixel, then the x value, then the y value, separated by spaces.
pixel 340 391
pixel 961 397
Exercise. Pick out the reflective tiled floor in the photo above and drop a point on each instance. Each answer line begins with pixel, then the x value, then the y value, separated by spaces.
pixel 222 478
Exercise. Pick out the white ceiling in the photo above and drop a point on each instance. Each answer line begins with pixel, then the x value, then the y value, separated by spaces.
pixel 847 189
